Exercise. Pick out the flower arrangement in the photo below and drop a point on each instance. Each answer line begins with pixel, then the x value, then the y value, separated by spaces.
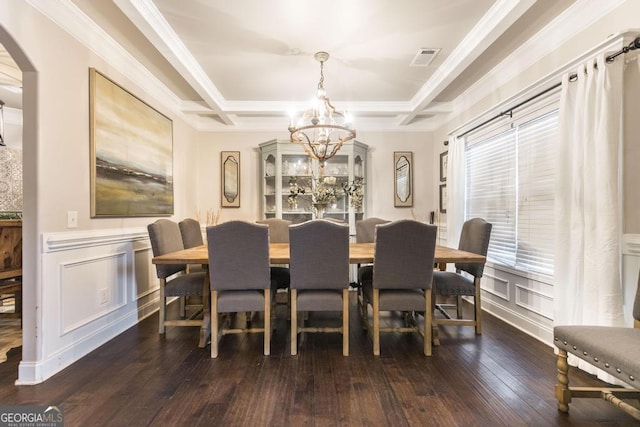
pixel 294 190
pixel 325 191
pixel 355 191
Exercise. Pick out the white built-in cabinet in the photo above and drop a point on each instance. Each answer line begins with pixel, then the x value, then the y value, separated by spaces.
pixel 285 163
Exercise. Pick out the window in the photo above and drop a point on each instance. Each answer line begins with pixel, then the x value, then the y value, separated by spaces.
pixel 510 182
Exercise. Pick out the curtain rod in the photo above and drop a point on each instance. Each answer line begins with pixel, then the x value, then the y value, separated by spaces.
pixel 509 112
pixel 635 44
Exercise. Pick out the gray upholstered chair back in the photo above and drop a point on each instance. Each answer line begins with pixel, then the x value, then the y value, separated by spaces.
pixel 366 229
pixel 636 304
pixel 191 233
pixel 238 256
pixel 404 255
pixel 319 255
pixel 165 238
pixel 278 229
pixel 474 238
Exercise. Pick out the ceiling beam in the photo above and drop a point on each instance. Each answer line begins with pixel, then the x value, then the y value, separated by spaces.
pixel 146 16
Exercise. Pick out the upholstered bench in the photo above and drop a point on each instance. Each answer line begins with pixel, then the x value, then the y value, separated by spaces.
pixel 614 350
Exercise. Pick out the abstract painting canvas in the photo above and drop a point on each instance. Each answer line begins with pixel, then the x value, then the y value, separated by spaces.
pixel 131 153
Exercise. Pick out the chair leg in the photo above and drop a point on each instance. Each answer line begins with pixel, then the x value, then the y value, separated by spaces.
pixel 345 322
pixel 435 337
pixel 563 394
pixel 267 322
pixel 183 307
pixel 162 306
pixel 376 322
pixel 294 321
pixel 459 306
pixel 364 311
pixel 428 313
pixel 477 307
pixel 214 324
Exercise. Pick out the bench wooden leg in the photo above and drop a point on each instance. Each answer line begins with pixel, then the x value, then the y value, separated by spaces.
pixel 563 394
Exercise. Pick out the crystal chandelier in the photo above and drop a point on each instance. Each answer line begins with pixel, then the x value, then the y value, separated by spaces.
pixel 321 129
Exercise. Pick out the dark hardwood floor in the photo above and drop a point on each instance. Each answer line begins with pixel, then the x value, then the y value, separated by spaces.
pixel 503 377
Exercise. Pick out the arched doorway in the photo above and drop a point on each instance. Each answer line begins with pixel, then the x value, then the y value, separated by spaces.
pixel 27 130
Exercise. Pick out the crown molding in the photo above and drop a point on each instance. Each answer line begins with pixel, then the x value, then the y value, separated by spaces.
pixel 146 16
pixel 66 15
pixel 573 20
pixel 502 14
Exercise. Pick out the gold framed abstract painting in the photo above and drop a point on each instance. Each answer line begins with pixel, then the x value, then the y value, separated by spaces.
pixel 131 153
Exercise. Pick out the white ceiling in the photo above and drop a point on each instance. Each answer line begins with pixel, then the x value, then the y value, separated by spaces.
pixel 246 64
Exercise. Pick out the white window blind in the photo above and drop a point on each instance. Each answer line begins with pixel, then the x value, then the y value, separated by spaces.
pixel 510 183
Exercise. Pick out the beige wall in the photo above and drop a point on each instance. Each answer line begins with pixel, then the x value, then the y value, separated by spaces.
pixel 379 172
pixel 56 147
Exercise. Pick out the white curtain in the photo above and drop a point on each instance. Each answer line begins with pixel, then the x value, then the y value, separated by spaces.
pixel 455 190
pixel 588 284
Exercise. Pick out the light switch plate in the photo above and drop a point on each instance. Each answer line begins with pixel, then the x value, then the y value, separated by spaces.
pixel 72 219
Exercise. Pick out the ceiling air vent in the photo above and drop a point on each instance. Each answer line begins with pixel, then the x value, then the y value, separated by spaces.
pixel 424 57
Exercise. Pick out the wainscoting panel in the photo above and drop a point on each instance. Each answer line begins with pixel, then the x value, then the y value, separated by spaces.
pixel 534 301
pixel 525 302
pixel 146 281
pixel 495 285
pixel 98 284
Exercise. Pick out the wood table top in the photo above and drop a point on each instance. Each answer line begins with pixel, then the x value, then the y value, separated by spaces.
pixel 359 253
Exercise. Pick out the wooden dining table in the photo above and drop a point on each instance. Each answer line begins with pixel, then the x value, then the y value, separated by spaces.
pixel 359 253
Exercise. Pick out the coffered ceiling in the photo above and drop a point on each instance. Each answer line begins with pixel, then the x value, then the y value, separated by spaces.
pixel 246 64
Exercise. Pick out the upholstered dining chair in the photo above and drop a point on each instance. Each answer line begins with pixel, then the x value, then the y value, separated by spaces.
pixel 474 238
pixel 239 277
pixel 191 233
pixel 319 263
pixel 278 233
pixel 165 237
pixel 191 237
pixel 366 233
pixel 366 229
pixel 401 280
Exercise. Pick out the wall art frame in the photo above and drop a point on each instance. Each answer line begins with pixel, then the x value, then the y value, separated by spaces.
pixel 230 188
pixel 131 146
pixel 444 159
pixel 443 198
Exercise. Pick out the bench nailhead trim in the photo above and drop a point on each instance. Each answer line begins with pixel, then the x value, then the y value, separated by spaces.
pixel 564 342
pixel 556 339
pixel 631 378
pixel 575 348
pixel 606 365
pixel 618 370
pixel 595 359
pixel 584 352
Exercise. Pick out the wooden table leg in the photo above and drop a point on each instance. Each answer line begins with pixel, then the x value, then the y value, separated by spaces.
pixel 205 328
